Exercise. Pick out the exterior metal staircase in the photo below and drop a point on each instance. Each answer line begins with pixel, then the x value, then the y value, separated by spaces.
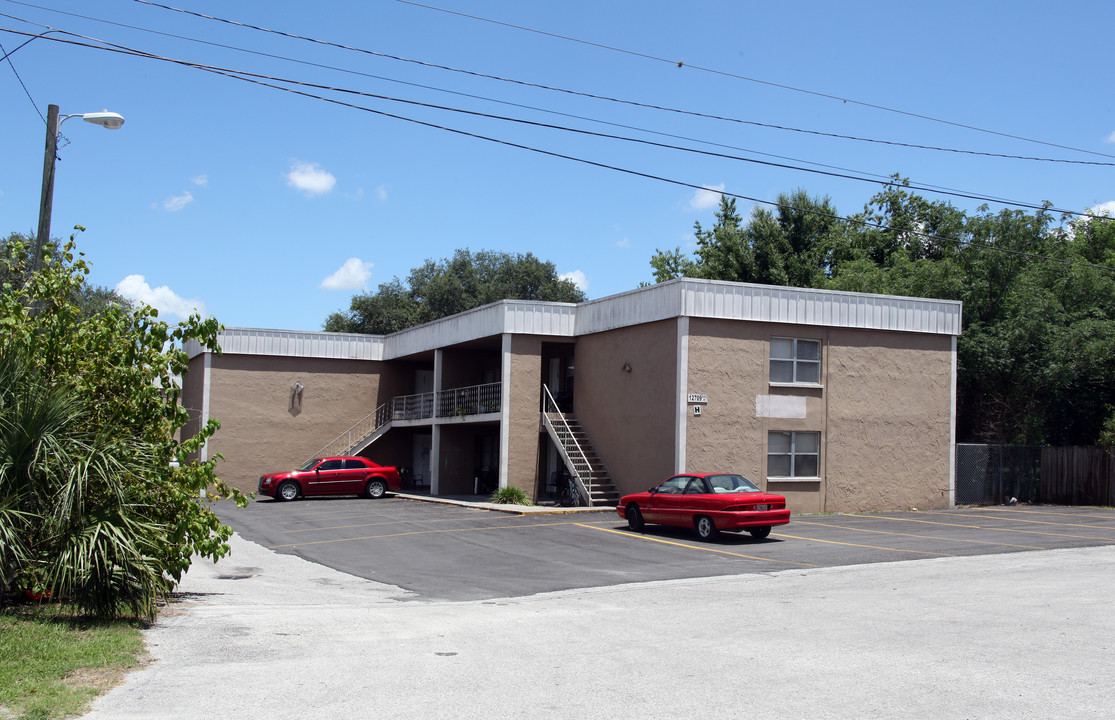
pixel 581 460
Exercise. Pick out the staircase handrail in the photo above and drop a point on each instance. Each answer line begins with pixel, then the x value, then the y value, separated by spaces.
pixel 548 402
pixel 380 417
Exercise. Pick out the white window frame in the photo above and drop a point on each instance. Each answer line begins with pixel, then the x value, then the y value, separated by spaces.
pixel 794 454
pixel 796 361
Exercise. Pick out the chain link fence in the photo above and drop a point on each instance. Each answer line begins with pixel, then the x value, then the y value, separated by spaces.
pixel 993 474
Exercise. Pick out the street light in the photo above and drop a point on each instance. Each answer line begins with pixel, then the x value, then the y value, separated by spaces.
pixel 107 120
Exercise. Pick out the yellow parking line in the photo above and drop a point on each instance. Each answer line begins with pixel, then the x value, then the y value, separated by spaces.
pixel 1014 519
pixel 870 547
pixel 924 537
pixel 302 521
pixel 628 533
pixel 983 527
pixel 371 524
pixel 415 532
pixel 1022 511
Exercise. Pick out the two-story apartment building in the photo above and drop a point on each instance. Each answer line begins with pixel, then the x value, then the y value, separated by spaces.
pixel 840 401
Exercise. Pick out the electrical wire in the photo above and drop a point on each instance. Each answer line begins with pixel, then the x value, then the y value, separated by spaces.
pixel 680 64
pixel 249 76
pixel 245 74
pixel 604 97
pixel 8 57
pixel 263 81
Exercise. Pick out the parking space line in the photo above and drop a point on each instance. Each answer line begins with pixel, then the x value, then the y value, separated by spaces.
pixel 366 514
pixel 417 532
pixel 1020 511
pixel 373 524
pixel 1014 519
pixel 924 537
pixel 627 533
pixel 983 527
pixel 870 547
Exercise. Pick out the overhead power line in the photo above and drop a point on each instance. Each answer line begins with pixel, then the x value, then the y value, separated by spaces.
pixel 592 96
pixel 246 75
pixel 264 81
pixel 681 64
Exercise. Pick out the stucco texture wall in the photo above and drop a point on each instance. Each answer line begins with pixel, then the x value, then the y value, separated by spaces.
pixel 889 421
pixel 629 416
pixel 883 412
pixel 524 412
pixel 263 429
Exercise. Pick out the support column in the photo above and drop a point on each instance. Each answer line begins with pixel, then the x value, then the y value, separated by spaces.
pixel 435 432
pixel 682 394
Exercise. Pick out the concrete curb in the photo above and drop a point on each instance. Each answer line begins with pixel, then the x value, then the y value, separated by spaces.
pixel 512 509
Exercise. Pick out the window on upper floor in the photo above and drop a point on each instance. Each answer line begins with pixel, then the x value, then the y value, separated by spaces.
pixel 795 362
pixel 793 454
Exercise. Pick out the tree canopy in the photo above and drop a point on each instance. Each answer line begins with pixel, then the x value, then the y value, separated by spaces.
pixel 1037 352
pixel 101 502
pixel 440 288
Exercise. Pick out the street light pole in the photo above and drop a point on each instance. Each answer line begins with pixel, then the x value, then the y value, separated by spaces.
pixel 107 120
pixel 46 201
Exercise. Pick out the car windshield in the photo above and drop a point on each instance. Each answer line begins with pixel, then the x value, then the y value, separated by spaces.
pixel 309 465
pixel 731 484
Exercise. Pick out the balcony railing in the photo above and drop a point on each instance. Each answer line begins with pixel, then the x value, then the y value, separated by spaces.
pixel 458 402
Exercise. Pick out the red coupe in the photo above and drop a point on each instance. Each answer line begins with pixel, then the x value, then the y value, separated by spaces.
pixel 332 476
pixel 708 503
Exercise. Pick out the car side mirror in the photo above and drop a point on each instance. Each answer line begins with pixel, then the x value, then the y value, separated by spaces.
pixel 653 490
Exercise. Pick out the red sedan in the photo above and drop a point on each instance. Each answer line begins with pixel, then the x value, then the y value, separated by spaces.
pixel 332 476
pixel 708 503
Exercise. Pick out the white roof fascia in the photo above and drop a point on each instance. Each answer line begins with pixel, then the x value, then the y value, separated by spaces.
pixel 683 297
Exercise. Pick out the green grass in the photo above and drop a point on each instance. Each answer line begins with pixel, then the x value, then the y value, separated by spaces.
pixel 53 666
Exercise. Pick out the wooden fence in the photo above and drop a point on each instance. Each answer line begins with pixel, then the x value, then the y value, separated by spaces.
pixel 1077 476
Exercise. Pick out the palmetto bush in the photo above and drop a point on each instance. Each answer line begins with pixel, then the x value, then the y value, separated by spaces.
pixel 101 500
pixel 67 524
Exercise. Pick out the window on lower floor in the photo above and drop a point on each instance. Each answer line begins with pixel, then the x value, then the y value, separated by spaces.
pixel 793 454
pixel 795 361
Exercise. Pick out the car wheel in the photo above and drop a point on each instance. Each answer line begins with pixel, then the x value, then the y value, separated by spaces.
pixel 375 488
pixel 760 532
pixel 286 491
pixel 706 528
pixel 635 518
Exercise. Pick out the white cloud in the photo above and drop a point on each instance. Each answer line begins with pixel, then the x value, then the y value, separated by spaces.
pixel 1107 208
pixel 1111 138
pixel 353 275
pixel 578 278
pixel 624 243
pixel 200 180
pixel 707 198
pixel 163 299
pixel 174 203
pixel 310 178
pixel 381 193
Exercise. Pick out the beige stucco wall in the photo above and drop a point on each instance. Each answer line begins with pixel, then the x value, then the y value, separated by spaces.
pixel 524 413
pixel 629 416
pixel 883 413
pixel 261 431
pixel 889 421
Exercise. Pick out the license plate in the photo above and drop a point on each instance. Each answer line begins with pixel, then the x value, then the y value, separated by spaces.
pixel 762 507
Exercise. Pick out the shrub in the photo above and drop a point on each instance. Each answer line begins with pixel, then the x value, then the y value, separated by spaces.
pixel 510 496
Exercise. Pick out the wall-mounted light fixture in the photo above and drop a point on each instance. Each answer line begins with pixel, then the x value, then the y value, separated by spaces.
pixel 297 387
pixel 627 367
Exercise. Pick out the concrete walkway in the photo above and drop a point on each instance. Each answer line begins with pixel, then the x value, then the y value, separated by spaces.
pixel 264 635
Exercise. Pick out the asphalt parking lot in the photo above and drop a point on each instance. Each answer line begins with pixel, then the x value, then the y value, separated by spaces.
pixel 452 552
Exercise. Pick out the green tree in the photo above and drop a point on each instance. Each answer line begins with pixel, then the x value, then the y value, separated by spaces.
pixel 439 288
pixel 103 498
pixel 788 246
pixel 90 299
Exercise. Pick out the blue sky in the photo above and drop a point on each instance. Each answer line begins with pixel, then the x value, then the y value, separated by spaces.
pixel 268 209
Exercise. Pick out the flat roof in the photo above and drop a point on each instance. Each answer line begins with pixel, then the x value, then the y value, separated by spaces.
pixel 683 297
